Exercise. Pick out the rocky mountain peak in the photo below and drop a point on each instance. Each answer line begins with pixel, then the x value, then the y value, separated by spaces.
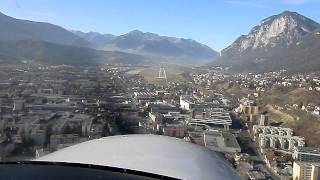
pixel 135 32
pixel 280 30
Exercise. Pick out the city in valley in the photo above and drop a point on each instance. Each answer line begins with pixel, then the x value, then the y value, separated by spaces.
pixel 245 117
pixel 194 90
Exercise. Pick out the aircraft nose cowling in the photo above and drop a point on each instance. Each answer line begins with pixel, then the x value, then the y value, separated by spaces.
pixel 160 155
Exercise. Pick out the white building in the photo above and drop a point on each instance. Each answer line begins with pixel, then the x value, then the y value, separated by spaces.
pixel 186 103
pixel 306 171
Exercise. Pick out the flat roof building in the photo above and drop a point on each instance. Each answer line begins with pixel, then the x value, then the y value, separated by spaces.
pixel 256 175
pixel 211 117
pixel 221 141
pixel 307 154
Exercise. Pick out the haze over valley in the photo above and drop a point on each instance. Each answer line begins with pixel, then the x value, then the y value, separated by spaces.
pixel 279 42
pixel 181 89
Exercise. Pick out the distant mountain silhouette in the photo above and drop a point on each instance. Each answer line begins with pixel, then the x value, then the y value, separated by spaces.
pixel 13 30
pixel 43 52
pixel 96 39
pixel 176 50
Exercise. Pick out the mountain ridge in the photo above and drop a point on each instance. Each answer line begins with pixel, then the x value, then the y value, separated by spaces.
pixel 271 45
pixel 29 51
pixel 98 40
pixel 167 48
pixel 14 30
pixel 281 30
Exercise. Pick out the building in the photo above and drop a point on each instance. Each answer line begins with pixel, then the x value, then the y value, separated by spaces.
pixel 45 91
pixel 264 119
pixel 306 154
pixel 306 171
pixel 257 130
pixel 247 107
pixel 256 175
pixel 144 97
pixel 221 141
pixel 86 126
pixel 175 130
pixel 255 119
pixel 40 152
pixel 63 140
pixel 162 108
pixel 18 105
pixel 191 102
pixel 187 102
pixel 172 124
pixel 38 136
pixel 211 117
pixel 276 138
pixel 287 143
pixel 248 110
pixel 1 115
pixel 270 158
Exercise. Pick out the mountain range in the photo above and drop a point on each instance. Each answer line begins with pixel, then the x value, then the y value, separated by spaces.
pixel 167 48
pixel 98 40
pixel 29 51
pixel 152 45
pixel 131 48
pixel 13 30
pixel 284 41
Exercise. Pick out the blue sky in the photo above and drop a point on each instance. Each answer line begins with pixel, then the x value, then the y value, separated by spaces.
pixel 216 23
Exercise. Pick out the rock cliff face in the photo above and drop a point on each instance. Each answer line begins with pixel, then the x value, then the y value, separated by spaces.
pixel 284 41
pixel 278 31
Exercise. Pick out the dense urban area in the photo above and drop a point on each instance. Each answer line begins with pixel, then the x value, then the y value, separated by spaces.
pixel 266 125
pixel 126 90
